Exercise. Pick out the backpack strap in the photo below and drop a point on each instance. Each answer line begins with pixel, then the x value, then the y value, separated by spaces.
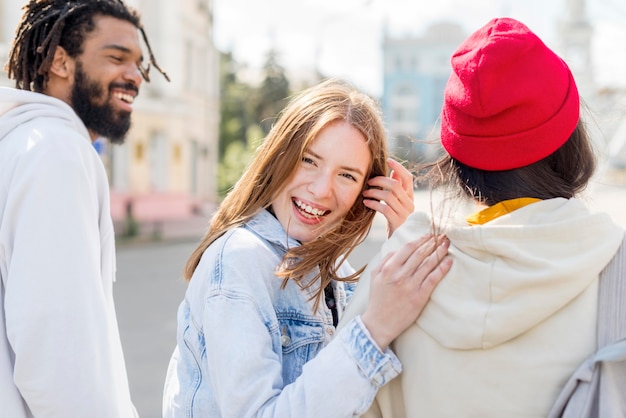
pixel 597 389
pixel 612 300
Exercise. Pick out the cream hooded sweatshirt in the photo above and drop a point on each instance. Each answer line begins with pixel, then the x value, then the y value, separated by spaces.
pixel 510 322
pixel 60 350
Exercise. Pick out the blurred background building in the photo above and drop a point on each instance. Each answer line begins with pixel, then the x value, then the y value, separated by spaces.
pixel 166 169
pixel 416 69
pixel 415 73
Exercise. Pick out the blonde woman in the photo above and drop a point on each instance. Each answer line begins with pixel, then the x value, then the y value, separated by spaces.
pixel 268 283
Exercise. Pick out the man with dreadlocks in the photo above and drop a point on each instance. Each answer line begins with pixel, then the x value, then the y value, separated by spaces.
pixel 77 66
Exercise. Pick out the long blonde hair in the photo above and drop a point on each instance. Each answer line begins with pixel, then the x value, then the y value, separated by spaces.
pixel 277 160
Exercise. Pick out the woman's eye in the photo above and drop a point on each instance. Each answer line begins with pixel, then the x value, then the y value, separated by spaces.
pixel 349 176
pixel 116 59
pixel 307 160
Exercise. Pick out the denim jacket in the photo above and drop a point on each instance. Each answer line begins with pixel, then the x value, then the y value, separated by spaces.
pixel 247 348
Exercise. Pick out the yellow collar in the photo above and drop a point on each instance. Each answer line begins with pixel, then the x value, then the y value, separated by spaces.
pixel 499 209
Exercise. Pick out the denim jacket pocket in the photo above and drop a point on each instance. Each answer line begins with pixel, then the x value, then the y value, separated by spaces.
pixel 301 340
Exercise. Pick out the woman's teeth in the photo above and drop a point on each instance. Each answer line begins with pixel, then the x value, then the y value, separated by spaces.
pixel 308 211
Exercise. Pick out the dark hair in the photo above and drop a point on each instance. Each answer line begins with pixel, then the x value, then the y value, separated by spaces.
pixel 564 173
pixel 47 24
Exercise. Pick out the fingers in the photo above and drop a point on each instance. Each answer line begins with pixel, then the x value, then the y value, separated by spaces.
pixel 432 269
pixel 392 196
pixel 399 172
pixel 419 258
pixel 402 263
pixel 434 277
pixel 402 285
pixel 415 260
pixel 399 184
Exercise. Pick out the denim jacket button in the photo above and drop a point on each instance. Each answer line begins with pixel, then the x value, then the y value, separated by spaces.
pixel 285 340
pixel 330 331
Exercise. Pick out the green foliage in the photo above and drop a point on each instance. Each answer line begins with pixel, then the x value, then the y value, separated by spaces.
pixel 272 95
pixel 234 162
pixel 236 113
pixel 246 115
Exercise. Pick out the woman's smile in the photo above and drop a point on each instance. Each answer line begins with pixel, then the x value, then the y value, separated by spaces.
pixel 326 184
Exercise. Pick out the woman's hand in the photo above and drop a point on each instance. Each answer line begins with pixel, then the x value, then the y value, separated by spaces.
pixel 392 196
pixel 401 286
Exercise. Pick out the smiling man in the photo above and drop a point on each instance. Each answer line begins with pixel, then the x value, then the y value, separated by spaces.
pixel 77 66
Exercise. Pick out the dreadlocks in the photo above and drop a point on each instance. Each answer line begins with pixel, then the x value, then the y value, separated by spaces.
pixel 47 24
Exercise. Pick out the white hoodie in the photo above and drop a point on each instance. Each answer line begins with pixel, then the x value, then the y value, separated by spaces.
pixel 60 350
pixel 510 322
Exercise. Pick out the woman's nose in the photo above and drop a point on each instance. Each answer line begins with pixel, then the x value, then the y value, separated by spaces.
pixel 321 186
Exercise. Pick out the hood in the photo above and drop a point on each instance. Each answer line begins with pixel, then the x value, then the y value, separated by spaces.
pixel 20 106
pixel 513 272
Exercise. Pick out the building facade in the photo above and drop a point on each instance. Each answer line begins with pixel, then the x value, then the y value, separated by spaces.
pixel 415 73
pixel 166 169
pixel 575 34
pixel 607 124
pixel 416 69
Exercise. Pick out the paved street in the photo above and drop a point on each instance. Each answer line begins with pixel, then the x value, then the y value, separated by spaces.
pixel 149 288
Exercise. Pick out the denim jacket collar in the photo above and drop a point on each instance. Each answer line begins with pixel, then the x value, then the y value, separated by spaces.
pixel 265 225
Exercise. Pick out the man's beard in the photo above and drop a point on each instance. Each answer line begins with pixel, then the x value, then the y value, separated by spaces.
pixel 101 119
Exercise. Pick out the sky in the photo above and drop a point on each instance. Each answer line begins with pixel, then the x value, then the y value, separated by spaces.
pixel 343 38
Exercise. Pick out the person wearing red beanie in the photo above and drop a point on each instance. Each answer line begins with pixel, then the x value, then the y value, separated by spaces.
pixel 516 314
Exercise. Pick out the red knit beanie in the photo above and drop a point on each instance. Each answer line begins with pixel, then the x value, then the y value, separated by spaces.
pixel 510 100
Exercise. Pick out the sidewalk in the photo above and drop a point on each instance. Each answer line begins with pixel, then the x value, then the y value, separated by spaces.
pixel 158 216
pixel 182 229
